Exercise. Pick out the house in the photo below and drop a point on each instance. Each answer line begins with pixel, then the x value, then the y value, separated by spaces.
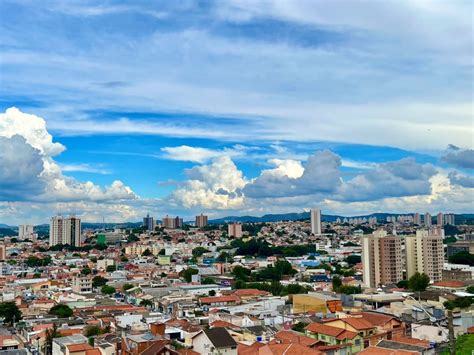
pixel 279 349
pixel 358 325
pixel 214 341
pixel 316 303
pixel 331 335
pixel 250 293
pixel 217 301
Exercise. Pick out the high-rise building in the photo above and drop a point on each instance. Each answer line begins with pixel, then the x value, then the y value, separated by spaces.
pixel 449 219
pixel 201 221
pixel 169 222
pixel 235 230
pixel 178 222
pixel 382 260
pixel 440 220
pixel 65 230
pixel 417 219
pixel 315 221
pixel 425 253
pixel 149 223
pixel 26 231
pixel 427 220
pixel 3 252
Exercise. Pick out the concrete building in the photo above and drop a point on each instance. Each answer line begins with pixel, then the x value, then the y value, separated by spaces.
pixel 3 252
pixel 315 221
pixel 168 222
pixel 235 230
pixel 65 230
pixel 382 259
pixel 425 253
pixel 427 220
pixel 449 219
pixel 26 231
pixel 417 219
pixel 440 219
pixel 149 223
pixel 82 284
pixel 459 246
pixel 201 221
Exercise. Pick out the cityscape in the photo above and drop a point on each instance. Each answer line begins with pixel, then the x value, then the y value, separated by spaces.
pixel 236 177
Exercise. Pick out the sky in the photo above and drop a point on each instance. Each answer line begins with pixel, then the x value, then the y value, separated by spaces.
pixel 112 110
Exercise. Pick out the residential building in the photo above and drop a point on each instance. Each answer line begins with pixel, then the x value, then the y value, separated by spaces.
pixel 460 246
pixel 214 341
pixel 149 223
pixel 315 221
pixel 82 284
pixel 65 230
pixel 26 231
pixel 381 259
pixel 440 220
pixel 201 221
pixel 332 335
pixel 3 252
pixel 235 230
pixel 449 219
pixel 316 303
pixel 169 222
pixel 425 253
pixel 417 219
pixel 427 220
pixel 178 222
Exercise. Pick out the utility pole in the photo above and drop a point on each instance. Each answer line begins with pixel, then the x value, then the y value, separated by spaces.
pixel 452 343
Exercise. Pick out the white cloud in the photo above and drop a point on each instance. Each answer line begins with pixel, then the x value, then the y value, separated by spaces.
pixel 86 168
pixel 29 171
pixel 202 155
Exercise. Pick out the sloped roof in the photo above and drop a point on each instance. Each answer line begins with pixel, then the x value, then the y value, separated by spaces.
pixel 220 337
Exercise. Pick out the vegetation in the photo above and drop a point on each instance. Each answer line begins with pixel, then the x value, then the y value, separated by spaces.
pixel 10 312
pixel 463 257
pixel 126 287
pixel 353 259
pixel 274 287
pixel 50 335
pixel 61 311
pixel 298 327
pixel 260 248
pixel 107 290
pixel 111 268
pixel 460 302
pixel 470 289
pixel 34 261
pixel 199 251
pixel 449 240
pixel 99 281
pixel 147 252
pixel 418 282
pixel 188 273
pixel 146 303
pixel 86 271
pixel 402 284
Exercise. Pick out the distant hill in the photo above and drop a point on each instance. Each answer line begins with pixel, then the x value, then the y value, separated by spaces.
pixel 7 232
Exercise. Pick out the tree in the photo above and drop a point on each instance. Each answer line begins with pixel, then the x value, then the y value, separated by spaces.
pixel 336 283
pixel 418 282
pixel 124 259
pixel 402 284
pixel 147 252
pixel 470 289
pixel 91 330
pixel 86 271
pixel 111 268
pixel 107 290
pixel 10 312
pixel 99 281
pixel 188 273
pixel 61 310
pixel 241 273
pixel 146 303
pixel 212 293
pixel 50 335
pixel 353 259
pixel 463 257
pixel 199 251
pixel 126 287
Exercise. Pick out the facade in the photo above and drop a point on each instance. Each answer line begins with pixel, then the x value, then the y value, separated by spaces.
pixel 449 219
pixel 417 219
pixel 460 246
pixel 82 284
pixel 440 219
pixel 149 223
pixel 214 341
pixel 427 220
pixel 235 230
pixel 26 231
pixel 425 253
pixel 178 222
pixel 316 303
pixel 169 222
pixel 3 252
pixel 381 259
pixel 65 230
pixel 315 221
pixel 201 221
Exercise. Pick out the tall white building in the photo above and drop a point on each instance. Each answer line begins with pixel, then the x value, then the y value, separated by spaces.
pixel 25 231
pixel 65 230
pixel 427 220
pixel 316 221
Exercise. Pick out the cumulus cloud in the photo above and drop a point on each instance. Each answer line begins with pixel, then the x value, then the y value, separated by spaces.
pixel 29 171
pixel 404 177
pixel 320 175
pixel 213 186
pixel 460 158
pixel 21 166
pixel 203 155
pixel 462 180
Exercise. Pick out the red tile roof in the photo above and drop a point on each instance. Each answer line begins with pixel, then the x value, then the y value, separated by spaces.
pixel 453 284
pixel 337 333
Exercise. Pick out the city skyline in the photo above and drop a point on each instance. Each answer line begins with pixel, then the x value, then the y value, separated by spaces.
pixel 226 109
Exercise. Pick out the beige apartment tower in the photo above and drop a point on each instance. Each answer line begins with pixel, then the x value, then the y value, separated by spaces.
pixel 381 259
pixel 235 230
pixel 201 221
pixel 425 253
pixel 65 230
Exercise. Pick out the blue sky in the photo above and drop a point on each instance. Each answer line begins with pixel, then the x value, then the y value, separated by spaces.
pixel 215 106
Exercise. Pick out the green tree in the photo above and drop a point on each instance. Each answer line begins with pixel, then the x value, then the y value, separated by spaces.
pixel 111 268
pixel 402 284
pixel 126 287
pixel 50 335
pixel 418 282
pixel 470 289
pixel 188 273
pixel 86 271
pixel 107 290
pixel 10 312
pixel 336 283
pixel 146 303
pixel 353 259
pixel 99 281
pixel 147 252
pixel 61 311
pixel 463 257
pixel 92 330
pixel 199 251
pixel 212 293
pixel 241 273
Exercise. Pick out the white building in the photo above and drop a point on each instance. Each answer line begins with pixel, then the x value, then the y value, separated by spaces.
pixel 214 341
pixel 25 231
pixel 425 253
pixel 65 230
pixel 316 221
